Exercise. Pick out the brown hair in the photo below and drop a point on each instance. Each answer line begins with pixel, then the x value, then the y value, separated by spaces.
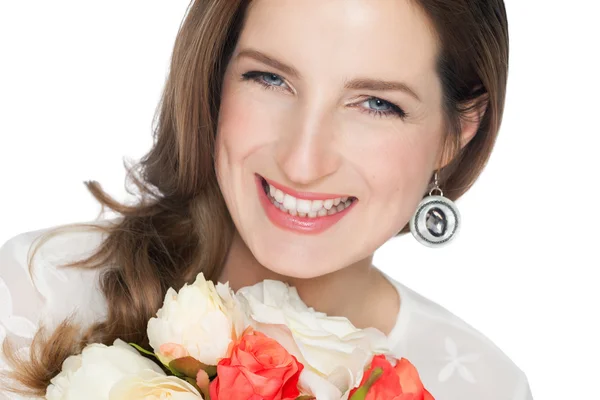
pixel 181 225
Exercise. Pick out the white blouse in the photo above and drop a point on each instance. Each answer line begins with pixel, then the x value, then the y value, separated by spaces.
pixel 455 361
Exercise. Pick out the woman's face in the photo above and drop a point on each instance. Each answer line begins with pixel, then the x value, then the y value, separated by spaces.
pixel 326 100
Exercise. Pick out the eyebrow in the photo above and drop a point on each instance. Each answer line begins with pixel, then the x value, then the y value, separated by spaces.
pixel 380 85
pixel 268 60
pixel 355 84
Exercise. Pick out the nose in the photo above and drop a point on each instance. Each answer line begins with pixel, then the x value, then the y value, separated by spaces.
pixel 307 150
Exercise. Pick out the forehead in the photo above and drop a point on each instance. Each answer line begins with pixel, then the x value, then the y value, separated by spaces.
pixel 374 38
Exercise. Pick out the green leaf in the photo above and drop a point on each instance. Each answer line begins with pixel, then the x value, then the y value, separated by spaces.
pixel 192 382
pixel 142 350
pixel 174 371
pixel 189 366
pixel 361 392
pixel 306 397
pixel 211 370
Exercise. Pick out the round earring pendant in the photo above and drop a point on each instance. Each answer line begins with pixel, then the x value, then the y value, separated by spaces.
pixel 436 221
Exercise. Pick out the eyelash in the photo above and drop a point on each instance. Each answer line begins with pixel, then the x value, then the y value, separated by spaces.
pixel 396 111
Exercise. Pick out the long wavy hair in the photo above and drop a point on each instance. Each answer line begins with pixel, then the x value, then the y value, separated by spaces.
pixel 181 226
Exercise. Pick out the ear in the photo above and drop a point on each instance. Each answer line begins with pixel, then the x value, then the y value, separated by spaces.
pixel 469 125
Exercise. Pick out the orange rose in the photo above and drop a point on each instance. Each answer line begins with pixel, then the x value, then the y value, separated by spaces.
pixel 258 368
pixel 401 382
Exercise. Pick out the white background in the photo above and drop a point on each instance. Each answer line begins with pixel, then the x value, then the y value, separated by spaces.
pixel 79 83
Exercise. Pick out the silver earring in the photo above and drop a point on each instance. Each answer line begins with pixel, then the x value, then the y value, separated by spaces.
pixel 437 220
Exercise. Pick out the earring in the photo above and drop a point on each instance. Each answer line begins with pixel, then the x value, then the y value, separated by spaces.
pixel 437 220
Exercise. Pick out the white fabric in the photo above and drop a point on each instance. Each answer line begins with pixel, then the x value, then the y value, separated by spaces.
pixel 454 360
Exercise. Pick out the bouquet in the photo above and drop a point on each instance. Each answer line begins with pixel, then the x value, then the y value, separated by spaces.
pixel 262 342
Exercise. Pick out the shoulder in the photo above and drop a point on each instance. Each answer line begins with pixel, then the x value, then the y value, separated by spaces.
pixel 48 292
pixel 455 360
pixel 68 244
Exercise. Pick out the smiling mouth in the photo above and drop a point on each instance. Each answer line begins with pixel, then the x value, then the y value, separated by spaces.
pixel 301 207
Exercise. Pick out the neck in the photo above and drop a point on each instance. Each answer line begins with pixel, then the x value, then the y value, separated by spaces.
pixel 349 292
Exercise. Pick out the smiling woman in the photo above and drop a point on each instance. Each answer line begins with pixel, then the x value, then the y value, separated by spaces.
pixel 293 140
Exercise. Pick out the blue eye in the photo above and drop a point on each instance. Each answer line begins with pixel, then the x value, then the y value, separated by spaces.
pixel 375 106
pixel 266 79
pixel 272 79
pixel 382 108
pixel 379 105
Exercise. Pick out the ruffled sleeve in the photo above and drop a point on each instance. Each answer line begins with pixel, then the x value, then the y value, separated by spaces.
pixel 48 293
pixel 454 360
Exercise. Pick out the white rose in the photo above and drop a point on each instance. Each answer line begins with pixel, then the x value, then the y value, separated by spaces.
pixel 333 350
pixel 91 374
pixel 196 322
pixel 150 385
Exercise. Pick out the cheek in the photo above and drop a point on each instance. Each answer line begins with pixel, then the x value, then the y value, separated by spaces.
pixel 234 132
pixel 413 161
pixel 231 146
pixel 399 163
pixel 245 130
pixel 247 125
pixel 397 170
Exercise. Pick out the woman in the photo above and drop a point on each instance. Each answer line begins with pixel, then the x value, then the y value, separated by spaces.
pixel 293 140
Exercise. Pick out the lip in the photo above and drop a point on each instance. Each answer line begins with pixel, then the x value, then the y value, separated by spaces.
pixel 303 195
pixel 298 224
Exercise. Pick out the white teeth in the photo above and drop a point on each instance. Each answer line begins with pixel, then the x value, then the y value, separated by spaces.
pixel 307 208
pixel 279 195
pixel 289 202
pixel 303 206
pixel 316 205
pixel 312 214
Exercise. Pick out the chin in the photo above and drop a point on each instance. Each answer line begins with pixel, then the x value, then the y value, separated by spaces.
pixel 298 273
pixel 292 266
